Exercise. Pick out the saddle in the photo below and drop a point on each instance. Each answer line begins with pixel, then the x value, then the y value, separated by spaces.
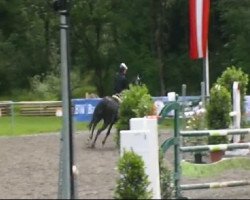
pixel 117 97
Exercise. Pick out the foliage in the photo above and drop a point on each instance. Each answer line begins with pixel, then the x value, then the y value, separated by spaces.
pixel 227 78
pixel 165 178
pixel 133 182
pixel 48 88
pixel 136 102
pixel 27 45
pixel 196 122
pixel 218 111
pixel 106 33
pixel 232 74
pixel 217 140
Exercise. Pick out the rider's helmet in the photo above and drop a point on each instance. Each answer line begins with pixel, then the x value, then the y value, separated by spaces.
pixel 123 66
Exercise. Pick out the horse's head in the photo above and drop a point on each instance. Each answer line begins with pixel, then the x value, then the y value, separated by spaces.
pixel 137 80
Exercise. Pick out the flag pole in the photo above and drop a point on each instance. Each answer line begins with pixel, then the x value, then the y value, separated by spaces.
pixel 206 73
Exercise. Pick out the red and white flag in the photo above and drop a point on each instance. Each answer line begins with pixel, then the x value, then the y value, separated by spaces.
pixel 199 20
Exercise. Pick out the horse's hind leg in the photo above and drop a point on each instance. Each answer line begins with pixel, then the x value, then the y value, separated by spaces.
pixel 104 126
pixel 92 130
pixel 107 134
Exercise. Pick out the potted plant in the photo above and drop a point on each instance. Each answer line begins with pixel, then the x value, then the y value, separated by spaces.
pixel 218 117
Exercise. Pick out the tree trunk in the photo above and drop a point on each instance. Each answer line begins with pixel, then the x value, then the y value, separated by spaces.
pixel 157 40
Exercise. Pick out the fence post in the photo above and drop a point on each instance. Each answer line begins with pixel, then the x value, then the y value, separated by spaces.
pixel 143 139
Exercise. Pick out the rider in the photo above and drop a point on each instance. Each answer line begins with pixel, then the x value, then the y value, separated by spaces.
pixel 121 82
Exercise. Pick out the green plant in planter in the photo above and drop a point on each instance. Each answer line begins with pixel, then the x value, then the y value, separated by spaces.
pixel 227 79
pixel 218 110
pixel 136 102
pixel 229 76
pixel 217 140
pixel 133 182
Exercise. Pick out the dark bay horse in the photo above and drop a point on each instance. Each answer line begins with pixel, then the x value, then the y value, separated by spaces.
pixel 106 110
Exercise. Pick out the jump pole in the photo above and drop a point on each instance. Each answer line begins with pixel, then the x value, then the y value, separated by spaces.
pixel 215 147
pixel 217 132
pixel 214 185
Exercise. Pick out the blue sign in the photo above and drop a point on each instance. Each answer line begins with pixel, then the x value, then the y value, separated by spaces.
pixel 84 108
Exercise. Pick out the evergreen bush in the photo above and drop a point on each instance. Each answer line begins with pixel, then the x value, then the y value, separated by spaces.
pixel 227 79
pixel 136 102
pixel 218 110
pixel 133 182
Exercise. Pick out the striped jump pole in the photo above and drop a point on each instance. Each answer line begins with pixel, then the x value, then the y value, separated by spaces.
pixel 215 147
pixel 214 185
pixel 219 132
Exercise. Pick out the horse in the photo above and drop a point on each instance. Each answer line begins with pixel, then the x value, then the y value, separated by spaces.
pixel 106 110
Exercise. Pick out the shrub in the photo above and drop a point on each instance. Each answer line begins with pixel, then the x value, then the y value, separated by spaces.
pixel 136 102
pixel 218 111
pixel 227 78
pixel 165 178
pixel 46 87
pixel 133 182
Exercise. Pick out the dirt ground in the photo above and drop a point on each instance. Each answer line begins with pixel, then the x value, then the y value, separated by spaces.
pixel 29 170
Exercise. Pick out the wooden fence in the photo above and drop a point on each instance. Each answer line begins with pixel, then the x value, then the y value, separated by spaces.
pixel 30 108
pixel 39 108
pixel 5 108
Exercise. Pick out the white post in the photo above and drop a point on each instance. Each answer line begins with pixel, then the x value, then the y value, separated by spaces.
pixel 171 97
pixel 143 139
pixel 236 110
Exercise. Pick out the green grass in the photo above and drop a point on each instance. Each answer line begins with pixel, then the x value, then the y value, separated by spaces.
pixel 166 123
pixel 25 125
pixel 210 170
pixel 20 125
